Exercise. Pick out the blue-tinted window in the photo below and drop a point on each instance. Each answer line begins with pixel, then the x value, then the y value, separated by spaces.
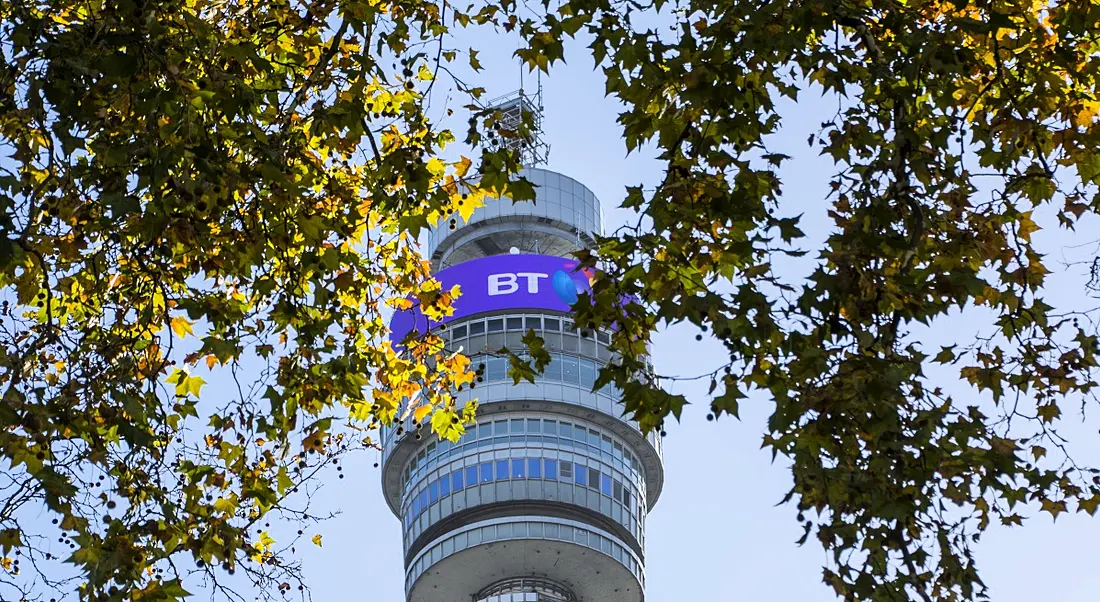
pixel 445 486
pixel 534 468
pixel 580 476
pixel 605 444
pixel 551 467
pixel 550 427
pixel 605 484
pixel 500 427
pixel 588 374
pixel 471 476
pixel 423 499
pixel 486 472
pixel 553 369
pixel 485 431
pixel 456 480
pixel 594 439
pixel 580 433
pixel 534 425
pixel 496 368
pixel 517 425
pixel 518 471
pixel 502 469
pixel 433 492
pixel 414 507
pixel 570 369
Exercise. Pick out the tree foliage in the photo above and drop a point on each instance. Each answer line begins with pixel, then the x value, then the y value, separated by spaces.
pixel 939 103
pixel 237 186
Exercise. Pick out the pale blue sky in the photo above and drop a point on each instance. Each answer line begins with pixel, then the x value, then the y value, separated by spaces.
pixel 716 533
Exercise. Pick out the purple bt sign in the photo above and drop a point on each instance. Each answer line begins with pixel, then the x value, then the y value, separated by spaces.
pixel 503 282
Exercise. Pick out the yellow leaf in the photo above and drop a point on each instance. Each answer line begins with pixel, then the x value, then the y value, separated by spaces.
pixel 317 540
pixel 425 74
pixel 436 167
pixel 472 201
pixel 1087 113
pixel 265 541
pixel 181 326
pixel 421 412
pixel 462 167
pixel 211 360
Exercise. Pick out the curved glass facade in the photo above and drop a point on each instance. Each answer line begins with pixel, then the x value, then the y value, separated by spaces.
pixel 545 497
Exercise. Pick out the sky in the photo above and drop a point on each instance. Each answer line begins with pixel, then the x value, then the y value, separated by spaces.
pixel 716 532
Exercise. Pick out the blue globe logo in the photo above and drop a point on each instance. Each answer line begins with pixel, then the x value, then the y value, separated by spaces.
pixel 564 287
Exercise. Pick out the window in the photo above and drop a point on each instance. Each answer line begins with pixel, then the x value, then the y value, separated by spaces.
pixel 423 499
pixel 471 476
pixel 456 480
pixel 486 430
pixel 570 369
pixel 550 427
pixel 477 328
pixel 594 479
pixel 605 444
pixel 502 469
pixel 534 425
pixel 496 325
pixel 605 484
pixel 581 476
pixel 458 332
pixel 566 469
pixel 534 322
pixel 496 369
pixel 515 324
pixel 594 438
pixel 433 492
pixel 580 433
pixel 534 468
pixel 568 326
pixel 603 337
pixel 551 467
pixel 500 427
pixel 618 491
pixel 553 369
pixel 518 465
pixel 517 425
pixel 588 374
pixel 445 486
pixel 486 472
pixel 552 324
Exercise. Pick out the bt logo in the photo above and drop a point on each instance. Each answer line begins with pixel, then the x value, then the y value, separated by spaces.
pixel 510 282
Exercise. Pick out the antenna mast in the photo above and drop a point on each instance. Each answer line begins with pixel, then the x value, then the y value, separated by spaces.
pixel 513 108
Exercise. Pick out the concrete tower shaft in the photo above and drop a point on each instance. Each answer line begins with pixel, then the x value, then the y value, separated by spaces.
pixel 545 498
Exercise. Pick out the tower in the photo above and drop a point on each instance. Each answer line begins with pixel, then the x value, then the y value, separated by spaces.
pixel 545 498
